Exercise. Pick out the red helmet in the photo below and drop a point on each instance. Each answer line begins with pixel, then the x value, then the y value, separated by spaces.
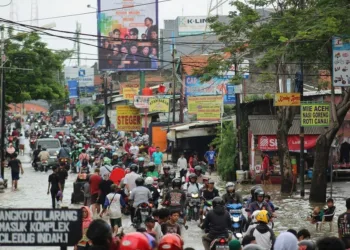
pixel 135 241
pixel 171 242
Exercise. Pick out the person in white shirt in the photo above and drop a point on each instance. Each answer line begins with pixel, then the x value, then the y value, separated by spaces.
pixel 134 149
pixel 22 141
pixel 113 204
pixel 27 127
pixel 182 164
pixel 129 179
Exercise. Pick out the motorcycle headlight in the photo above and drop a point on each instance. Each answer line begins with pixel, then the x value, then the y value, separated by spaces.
pixel 235 219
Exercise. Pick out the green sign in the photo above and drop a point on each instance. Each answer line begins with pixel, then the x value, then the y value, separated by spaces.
pixel 315 114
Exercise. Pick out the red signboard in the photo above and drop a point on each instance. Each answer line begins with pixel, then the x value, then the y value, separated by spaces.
pixel 269 142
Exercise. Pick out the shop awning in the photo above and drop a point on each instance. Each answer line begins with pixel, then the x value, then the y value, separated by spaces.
pixel 267 125
pixel 192 129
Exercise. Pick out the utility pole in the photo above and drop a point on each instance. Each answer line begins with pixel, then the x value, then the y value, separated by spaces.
pixel 174 82
pixel 238 119
pixel 105 100
pixel 3 87
pixel 302 160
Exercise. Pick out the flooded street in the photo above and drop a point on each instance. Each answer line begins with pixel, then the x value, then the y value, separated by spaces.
pixel 292 213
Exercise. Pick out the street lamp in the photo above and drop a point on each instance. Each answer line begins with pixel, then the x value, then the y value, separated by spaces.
pixel 89 6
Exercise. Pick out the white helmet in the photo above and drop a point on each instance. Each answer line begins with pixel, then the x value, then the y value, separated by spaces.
pixel 137 133
pixel 149 181
pixel 230 185
pixel 255 213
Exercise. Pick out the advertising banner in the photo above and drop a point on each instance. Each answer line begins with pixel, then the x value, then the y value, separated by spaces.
pixel 315 114
pixel 192 25
pixel 207 108
pixel 40 227
pixel 128 118
pixel 73 89
pixel 159 105
pixel 287 99
pixel 129 93
pixel 216 86
pixel 128 35
pixel 128 85
pixel 269 142
pixel 229 97
pixel 84 75
pixel 341 61
pixel 141 101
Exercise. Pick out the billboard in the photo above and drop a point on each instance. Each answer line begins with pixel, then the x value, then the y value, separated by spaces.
pixel 141 101
pixel 287 99
pixel 129 93
pixel 341 61
pixel 128 118
pixel 216 86
pixel 315 114
pixel 159 104
pixel 229 96
pixel 192 25
pixel 84 75
pixel 207 108
pixel 73 89
pixel 128 35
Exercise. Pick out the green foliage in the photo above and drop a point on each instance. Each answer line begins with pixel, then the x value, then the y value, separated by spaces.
pixel 43 79
pixel 227 148
pixel 92 110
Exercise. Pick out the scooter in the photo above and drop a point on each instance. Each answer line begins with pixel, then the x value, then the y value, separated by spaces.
pixel 43 166
pixel 207 207
pixel 237 218
pixel 66 163
pixel 143 210
pixel 220 243
pixel 193 207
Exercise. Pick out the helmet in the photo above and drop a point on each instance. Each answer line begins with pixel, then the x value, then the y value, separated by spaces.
pixel 263 216
pixel 151 164
pixel 115 154
pixel 252 190
pixel 171 242
pixel 137 133
pixel 166 167
pixel 254 214
pixel 149 181
pixel 172 173
pixel 177 182
pixel 44 148
pixel 230 185
pixel 310 245
pixel 141 159
pixel 218 201
pixel 259 192
pixel 211 182
pixel 64 145
pixel 198 168
pixel 133 168
pixel 140 181
pixel 133 241
pixel 191 176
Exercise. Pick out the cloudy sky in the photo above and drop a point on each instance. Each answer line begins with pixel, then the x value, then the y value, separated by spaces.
pixel 55 8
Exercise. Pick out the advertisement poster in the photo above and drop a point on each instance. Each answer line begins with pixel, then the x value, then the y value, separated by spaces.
pixel 269 142
pixel 73 89
pixel 207 108
pixel 128 35
pixel 287 99
pixel 216 86
pixel 192 25
pixel 315 114
pixel 341 62
pixel 128 118
pixel 159 105
pixel 141 101
pixel 229 96
pixel 129 93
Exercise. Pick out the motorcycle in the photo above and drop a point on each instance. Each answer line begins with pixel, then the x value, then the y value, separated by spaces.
pixel 43 166
pixel 237 218
pixel 193 207
pixel 26 134
pixel 66 162
pixel 207 207
pixel 143 210
pixel 32 142
pixel 221 243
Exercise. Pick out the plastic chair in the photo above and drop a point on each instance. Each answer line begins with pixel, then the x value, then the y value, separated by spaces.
pixel 326 219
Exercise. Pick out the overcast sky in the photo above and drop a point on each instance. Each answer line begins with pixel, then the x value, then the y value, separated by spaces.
pixel 54 8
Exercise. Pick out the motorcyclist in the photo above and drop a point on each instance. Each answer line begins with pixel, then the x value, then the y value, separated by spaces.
pixel 198 172
pixel 192 186
pixel 115 159
pixel 139 194
pixel 171 242
pixel 176 198
pixel 231 197
pixel 216 223
pixel 108 152
pixel 154 191
pixel 151 170
pixel 64 152
pixel 44 155
pixel 259 203
pixel 264 235
pixel 208 194
pixel 205 185
pixel 252 191
pixel 36 155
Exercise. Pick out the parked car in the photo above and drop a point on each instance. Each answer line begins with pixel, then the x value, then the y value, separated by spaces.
pixel 53 146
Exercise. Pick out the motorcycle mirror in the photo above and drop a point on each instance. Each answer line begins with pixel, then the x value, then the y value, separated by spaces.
pixel 276 208
pixel 247 210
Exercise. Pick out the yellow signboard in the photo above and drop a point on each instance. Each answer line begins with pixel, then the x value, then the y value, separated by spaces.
pixel 287 99
pixel 128 118
pixel 207 108
pixel 129 93
pixel 315 114
pixel 158 105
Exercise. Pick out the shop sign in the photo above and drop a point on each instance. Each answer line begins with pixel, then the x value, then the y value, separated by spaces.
pixel 341 62
pixel 159 105
pixel 128 118
pixel 269 142
pixel 287 99
pixel 141 101
pixel 129 93
pixel 315 114
pixel 207 108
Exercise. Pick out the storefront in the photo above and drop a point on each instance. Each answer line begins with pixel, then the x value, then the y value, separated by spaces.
pixel 262 134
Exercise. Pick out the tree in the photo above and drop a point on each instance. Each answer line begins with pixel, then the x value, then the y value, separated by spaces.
pixel 226 143
pixel 297 29
pixel 35 69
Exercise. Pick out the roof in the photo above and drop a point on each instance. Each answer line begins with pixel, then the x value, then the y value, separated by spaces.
pixel 196 124
pixel 189 63
pixel 267 125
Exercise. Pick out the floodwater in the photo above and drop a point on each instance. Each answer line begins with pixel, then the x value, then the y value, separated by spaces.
pixel 292 213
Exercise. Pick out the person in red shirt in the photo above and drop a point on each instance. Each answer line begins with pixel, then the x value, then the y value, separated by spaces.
pixel 151 150
pixel 265 177
pixel 15 133
pixel 94 181
pixel 127 146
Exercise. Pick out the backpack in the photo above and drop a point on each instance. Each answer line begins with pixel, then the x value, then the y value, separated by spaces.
pixel 188 184
pixel 269 229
